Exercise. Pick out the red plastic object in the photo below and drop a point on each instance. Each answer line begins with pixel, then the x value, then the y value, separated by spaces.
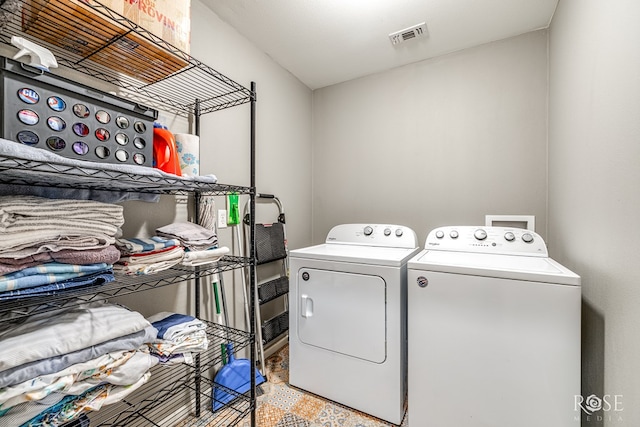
pixel 165 153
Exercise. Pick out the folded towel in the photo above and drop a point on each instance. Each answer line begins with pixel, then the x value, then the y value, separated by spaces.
pixel 178 333
pixel 95 279
pixel 30 225
pixel 172 325
pixel 107 255
pixel 47 273
pixel 194 258
pixel 63 331
pixel 114 368
pixel 190 235
pixel 29 213
pixel 140 245
pixel 29 243
pixel 149 264
pixel 54 364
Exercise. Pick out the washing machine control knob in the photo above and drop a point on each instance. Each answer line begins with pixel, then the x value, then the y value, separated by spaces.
pixel 509 236
pixel 527 237
pixel 387 232
pixel 453 234
pixel 368 230
pixel 480 234
pixel 439 234
pixel 399 232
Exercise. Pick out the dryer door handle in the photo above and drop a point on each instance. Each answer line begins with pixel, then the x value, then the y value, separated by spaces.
pixel 306 306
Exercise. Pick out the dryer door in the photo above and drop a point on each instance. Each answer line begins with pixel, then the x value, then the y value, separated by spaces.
pixel 343 313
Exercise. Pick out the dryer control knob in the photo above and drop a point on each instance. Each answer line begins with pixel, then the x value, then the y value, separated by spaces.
pixel 453 234
pixel 527 238
pixel 368 230
pixel 439 234
pixel 509 236
pixel 387 232
pixel 480 234
pixel 399 232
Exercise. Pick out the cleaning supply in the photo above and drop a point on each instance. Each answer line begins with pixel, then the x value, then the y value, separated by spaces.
pixel 40 57
pixel 232 207
pixel 236 374
pixel 165 154
pixel 223 347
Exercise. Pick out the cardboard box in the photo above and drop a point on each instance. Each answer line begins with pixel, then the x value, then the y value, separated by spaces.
pixel 79 30
pixel 168 19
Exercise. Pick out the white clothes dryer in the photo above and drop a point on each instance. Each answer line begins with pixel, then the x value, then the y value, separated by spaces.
pixel 494 331
pixel 347 338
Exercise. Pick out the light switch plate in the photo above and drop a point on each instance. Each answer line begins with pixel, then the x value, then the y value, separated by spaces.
pixel 222 218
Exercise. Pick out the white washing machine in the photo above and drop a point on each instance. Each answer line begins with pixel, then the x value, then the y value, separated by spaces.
pixel 347 337
pixel 494 331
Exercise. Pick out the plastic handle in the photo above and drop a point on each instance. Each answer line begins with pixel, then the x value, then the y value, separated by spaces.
pixel 306 306
pixel 265 196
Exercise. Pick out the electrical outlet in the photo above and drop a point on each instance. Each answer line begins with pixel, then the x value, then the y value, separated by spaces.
pixel 222 218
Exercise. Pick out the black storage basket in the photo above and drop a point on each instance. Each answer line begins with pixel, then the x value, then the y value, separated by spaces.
pixel 275 327
pixel 270 243
pixel 273 289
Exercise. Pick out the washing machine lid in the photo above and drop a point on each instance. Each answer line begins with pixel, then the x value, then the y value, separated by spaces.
pixel 519 267
pixel 373 255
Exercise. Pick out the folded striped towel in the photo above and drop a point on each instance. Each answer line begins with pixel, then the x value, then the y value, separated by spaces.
pixel 139 245
pixel 46 274
pixel 148 264
pixel 29 213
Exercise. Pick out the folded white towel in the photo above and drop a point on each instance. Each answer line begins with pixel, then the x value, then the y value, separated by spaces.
pixel 194 258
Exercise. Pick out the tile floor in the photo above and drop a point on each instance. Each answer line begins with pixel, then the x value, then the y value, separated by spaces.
pixel 283 406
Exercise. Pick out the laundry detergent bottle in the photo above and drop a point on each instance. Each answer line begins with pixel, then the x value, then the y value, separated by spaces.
pixel 165 154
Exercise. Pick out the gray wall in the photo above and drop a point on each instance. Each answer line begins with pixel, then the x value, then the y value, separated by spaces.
pixel 594 202
pixel 440 142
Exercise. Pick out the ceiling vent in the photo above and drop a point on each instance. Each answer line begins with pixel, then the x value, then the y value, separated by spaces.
pixel 416 31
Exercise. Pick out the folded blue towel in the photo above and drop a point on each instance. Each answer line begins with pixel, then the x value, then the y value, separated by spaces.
pixel 141 245
pixel 48 273
pixel 95 279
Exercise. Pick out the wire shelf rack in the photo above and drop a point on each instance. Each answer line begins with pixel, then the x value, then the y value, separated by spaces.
pixel 156 404
pixel 87 37
pixel 19 171
pixel 123 285
pixel 107 46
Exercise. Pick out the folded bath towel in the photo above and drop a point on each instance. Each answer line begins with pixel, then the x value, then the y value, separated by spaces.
pixel 107 255
pixel 194 258
pixel 190 235
pixel 141 245
pixel 149 264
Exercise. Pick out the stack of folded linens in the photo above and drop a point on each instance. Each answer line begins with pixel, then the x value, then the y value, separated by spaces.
pixel 51 245
pixel 201 244
pixel 191 236
pixel 147 255
pixel 57 365
pixel 179 335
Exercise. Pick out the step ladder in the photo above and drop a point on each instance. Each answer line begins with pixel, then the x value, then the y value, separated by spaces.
pixel 272 260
